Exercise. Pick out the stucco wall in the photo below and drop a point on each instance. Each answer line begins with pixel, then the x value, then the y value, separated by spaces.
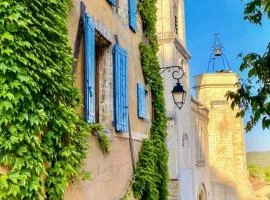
pixel 202 172
pixel 172 52
pixel 111 173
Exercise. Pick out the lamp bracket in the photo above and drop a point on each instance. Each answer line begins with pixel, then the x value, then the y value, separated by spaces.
pixel 177 71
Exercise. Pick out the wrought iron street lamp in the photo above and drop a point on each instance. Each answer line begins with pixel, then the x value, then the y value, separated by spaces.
pixel 178 92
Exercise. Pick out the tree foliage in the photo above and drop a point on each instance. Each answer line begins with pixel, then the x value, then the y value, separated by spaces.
pixel 262 173
pixel 253 94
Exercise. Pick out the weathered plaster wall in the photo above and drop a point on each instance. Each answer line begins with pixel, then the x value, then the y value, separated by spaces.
pixel 202 172
pixel 227 161
pixel 111 173
pixel 172 51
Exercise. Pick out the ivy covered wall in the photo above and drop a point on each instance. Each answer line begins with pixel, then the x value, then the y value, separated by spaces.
pixel 42 139
pixel 151 174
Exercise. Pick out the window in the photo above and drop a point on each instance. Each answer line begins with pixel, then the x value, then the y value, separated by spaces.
pixel 89 70
pixel 95 46
pixel 175 9
pixel 142 101
pixel 176 25
pixel 120 89
pixel 132 7
pixel 200 145
pixel 112 2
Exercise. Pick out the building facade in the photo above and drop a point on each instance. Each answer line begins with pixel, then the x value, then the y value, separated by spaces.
pixel 226 159
pixel 201 139
pixel 200 122
pixel 173 52
pixel 109 74
pixel 205 140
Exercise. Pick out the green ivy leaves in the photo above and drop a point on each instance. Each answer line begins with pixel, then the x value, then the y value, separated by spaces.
pixel 42 139
pixel 151 174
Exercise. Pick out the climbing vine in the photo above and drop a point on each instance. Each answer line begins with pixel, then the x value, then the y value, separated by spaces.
pixel 151 174
pixel 43 142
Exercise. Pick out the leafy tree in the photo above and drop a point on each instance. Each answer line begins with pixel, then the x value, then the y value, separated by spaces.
pixel 267 174
pixel 253 94
pixel 259 172
pixel 256 171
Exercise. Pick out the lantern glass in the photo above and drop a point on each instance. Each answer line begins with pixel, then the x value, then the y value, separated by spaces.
pixel 179 95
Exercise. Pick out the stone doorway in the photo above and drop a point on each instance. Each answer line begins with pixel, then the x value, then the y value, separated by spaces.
pixel 202 193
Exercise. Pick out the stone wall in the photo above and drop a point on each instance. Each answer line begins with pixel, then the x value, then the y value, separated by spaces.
pixel 227 160
pixel 173 190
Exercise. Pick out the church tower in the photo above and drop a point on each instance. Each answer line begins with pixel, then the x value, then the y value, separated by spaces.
pixel 227 158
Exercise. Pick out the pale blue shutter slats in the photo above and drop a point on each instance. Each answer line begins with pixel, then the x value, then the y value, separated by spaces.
pixel 89 69
pixel 141 93
pixel 132 4
pixel 120 89
pixel 112 2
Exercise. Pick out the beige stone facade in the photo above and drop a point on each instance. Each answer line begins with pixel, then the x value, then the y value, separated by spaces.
pixel 226 160
pixel 200 131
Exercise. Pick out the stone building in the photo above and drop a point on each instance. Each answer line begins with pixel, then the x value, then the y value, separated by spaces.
pixel 173 52
pixel 200 122
pixel 223 174
pixel 205 141
pixel 109 50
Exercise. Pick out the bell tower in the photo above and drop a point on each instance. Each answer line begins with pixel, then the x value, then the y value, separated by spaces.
pixel 218 60
pixel 227 158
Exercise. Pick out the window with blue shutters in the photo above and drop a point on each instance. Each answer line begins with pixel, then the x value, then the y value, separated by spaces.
pixel 132 7
pixel 112 2
pixel 89 69
pixel 120 63
pixel 142 101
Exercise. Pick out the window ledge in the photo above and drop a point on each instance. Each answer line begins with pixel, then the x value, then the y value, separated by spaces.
pixel 138 136
pixel 200 164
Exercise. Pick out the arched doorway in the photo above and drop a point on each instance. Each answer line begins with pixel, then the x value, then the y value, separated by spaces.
pixel 202 193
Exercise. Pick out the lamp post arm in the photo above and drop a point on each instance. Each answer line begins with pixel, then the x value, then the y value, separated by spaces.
pixel 177 71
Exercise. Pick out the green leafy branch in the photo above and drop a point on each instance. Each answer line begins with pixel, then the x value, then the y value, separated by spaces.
pixel 253 93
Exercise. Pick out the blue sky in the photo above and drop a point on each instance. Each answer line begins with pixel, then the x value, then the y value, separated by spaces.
pixel 203 19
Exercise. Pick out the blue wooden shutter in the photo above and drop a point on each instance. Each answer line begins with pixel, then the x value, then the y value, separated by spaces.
pixel 89 69
pixel 132 15
pixel 141 94
pixel 112 2
pixel 120 89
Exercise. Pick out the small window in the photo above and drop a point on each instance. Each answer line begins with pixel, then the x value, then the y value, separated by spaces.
pixel 176 25
pixel 200 146
pixel 143 101
pixel 132 6
pixel 120 59
pixel 112 2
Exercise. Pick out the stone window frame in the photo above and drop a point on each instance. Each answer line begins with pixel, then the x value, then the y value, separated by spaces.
pixel 200 144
